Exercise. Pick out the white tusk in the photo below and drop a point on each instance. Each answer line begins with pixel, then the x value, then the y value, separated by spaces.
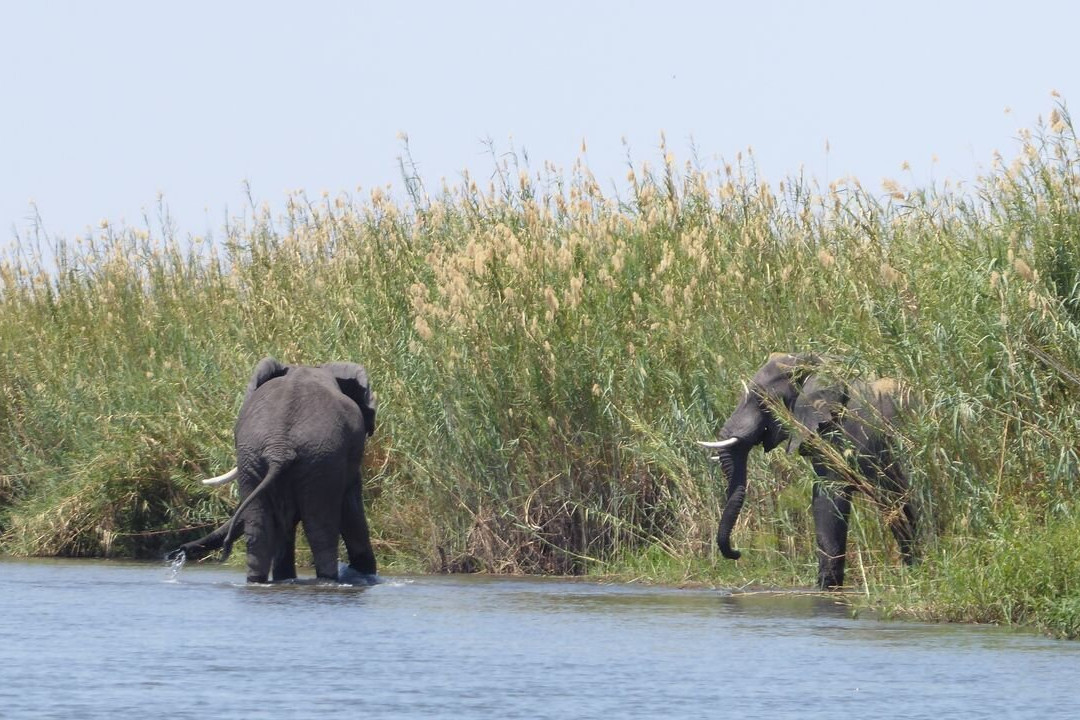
pixel 714 458
pixel 717 444
pixel 222 479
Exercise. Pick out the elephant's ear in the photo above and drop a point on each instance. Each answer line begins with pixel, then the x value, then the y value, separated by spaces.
pixel 820 403
pixel 267 369
pixel 353 381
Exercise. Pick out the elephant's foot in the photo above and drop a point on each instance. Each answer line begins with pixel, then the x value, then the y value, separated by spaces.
pixel 831 578
pixel 363 564
pixel 283 574
pixel 349 575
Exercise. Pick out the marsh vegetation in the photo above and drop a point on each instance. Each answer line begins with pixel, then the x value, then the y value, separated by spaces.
pixel 545 351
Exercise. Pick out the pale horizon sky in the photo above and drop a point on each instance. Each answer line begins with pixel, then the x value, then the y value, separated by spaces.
pixel 108 105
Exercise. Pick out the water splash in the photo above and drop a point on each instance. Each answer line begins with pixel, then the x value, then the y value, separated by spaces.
pixel 176 564
pixel 348 576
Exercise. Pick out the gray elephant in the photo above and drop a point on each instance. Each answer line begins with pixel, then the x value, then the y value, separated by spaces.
pixel 299 444
pixel 847 430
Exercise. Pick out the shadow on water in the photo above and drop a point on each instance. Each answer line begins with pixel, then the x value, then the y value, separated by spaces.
pixel 302 594
pixel 785 603
pixel 585 598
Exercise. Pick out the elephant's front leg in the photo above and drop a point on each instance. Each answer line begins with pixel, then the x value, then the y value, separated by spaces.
pixel 354 528
pixel 831 507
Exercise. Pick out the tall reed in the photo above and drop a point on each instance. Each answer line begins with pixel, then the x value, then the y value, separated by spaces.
pixel 545 352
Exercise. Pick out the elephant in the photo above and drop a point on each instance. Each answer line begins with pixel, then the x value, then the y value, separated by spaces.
pixel 300 439
pixel 847 430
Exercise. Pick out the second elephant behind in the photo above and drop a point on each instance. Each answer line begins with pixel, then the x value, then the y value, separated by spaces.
pixel 847 430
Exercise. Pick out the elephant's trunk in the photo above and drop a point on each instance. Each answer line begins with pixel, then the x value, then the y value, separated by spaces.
pixel 733 463
pixel 275 470
pixel 198 549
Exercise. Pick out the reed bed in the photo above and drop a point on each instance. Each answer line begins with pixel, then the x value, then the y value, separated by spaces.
pixel 545 352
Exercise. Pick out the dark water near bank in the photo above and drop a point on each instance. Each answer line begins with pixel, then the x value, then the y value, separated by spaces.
pixel 101 640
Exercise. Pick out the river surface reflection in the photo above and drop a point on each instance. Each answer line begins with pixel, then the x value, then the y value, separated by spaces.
pixel 114 640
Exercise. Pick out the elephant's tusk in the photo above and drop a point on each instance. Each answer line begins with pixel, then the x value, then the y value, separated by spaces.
pixel 717 444
pixel 222 479
pixel 714 458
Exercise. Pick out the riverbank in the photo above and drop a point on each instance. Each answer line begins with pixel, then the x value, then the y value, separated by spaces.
pixel 545 354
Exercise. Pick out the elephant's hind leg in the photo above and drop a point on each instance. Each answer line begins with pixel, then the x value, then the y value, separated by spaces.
pixel 323 539
pixel 894 496
pixel 261 543
pixel 318 498
pixel 902 524
pixel 262 530
pixel 284 567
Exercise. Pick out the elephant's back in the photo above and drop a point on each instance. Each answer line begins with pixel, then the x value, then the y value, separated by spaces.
pixel 882 399
pixel 304 411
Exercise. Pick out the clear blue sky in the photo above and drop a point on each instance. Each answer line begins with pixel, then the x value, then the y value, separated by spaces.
pixel 107 104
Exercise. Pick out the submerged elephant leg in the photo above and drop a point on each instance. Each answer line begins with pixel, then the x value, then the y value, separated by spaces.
pixel 284 566
pixel 831 509
pixel 263 536
pixel 354 528
pixel 320 511
pixel 258 563
pixel 323 539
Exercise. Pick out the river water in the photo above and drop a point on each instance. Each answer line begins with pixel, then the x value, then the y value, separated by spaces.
pixel 111 640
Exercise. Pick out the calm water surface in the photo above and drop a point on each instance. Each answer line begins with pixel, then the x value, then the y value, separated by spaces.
pixel 104 640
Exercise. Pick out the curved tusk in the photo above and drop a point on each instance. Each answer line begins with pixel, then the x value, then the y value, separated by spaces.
pixel 222 479
pixel 714 458
pixel 717 444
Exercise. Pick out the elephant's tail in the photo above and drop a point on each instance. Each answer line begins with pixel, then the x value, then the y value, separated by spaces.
pixel 273 472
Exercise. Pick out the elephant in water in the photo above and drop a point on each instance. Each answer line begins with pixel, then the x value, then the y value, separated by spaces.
pixel 846 428
pixel 299 445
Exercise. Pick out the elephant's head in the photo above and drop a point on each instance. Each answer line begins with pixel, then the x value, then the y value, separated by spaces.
pixel 755 422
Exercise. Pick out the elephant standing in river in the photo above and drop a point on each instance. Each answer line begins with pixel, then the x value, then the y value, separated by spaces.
pixel 846 428
pixel 299 444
